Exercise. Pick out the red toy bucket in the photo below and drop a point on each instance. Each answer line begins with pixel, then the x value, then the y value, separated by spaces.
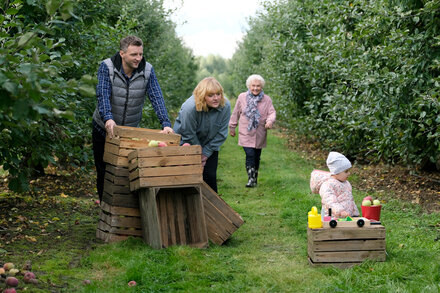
pixel 371 212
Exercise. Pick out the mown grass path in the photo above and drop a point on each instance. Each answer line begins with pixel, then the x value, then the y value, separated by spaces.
pixel 269 252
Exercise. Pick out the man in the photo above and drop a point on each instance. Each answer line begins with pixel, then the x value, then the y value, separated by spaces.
pixel 123 81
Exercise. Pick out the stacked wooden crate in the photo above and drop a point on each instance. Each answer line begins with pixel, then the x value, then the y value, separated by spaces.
pixel 346 246
pixel 119 216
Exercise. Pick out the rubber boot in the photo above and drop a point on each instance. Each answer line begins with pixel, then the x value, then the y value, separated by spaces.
pixel 256 177
pixel 251 176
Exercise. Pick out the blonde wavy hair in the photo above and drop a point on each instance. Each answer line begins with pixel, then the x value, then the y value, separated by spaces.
pixel 207 86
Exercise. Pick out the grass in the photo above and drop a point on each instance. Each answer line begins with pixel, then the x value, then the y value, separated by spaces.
pixel 268 253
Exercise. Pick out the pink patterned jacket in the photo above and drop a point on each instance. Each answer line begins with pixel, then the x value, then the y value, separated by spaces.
pixel 338 196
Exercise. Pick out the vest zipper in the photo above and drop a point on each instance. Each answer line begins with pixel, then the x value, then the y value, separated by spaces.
pixel 126 105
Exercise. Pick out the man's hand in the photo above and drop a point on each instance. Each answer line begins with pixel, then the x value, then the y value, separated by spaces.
pixel 109 124
pixel 204 159
pixel 167 130
pixel 232 132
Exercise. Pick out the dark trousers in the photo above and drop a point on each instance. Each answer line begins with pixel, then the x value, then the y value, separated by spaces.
pixel 98 153
pixel 210 171
pixel 252 157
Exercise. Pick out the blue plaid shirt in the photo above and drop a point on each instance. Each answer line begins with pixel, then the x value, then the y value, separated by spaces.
pixel 104 92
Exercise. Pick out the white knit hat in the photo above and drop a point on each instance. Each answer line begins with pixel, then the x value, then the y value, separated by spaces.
pixel 337 163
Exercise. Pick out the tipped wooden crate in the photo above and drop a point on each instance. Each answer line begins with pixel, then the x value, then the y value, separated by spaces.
pixel 173 216
pixel 346 246
pixel 165 166
pixel 221 220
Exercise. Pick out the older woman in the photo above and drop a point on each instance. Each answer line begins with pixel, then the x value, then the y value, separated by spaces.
pixel 255 114
pixel 203 120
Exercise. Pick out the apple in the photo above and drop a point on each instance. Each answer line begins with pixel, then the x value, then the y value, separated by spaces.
pixel 9 265
pixel 376 202
pixel 153 143
pixel 368 198
pixel 10 290
pixel 28 276
pixel 186 144
pixel 11 282
pixel 13 272
pixel 86 282
pixel 162 144
pixel 132 283
pixel 366 203
pixel 2 271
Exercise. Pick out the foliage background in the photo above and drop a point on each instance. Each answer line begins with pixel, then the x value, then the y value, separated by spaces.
pixel 360 77
pixel 49 55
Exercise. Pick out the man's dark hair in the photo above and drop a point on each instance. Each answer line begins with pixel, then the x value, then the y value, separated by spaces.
pixel 130 41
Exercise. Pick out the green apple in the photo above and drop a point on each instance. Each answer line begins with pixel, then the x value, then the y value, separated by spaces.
pixel 376 202
pixel 366 203
pixel 153 143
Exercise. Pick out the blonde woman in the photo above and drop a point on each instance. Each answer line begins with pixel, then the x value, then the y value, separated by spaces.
pixel 203 120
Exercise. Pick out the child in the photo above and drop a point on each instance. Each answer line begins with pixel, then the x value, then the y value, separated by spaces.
pixel 335 192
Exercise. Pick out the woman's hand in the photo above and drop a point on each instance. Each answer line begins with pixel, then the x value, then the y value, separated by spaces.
pixel 232 132
pixel 204 159
pixel 167 130
pixel 268 124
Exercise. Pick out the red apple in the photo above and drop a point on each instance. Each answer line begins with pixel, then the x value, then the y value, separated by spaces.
pixel 132 283
pixel 186 144
pixel 28 276
pixel 368 198
pixel 11 282
pixel 162 144
pixel 9 265
pixel 10 290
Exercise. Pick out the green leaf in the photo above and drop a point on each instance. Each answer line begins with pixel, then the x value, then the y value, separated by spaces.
pixel 25 39
pixel 12 11
pixel 52 6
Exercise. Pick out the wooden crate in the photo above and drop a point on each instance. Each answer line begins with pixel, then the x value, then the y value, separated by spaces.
pixel 126 139
pixel 165 166
pixel 173 216
pixel 118 223
pixel 346 246
pixel 221 220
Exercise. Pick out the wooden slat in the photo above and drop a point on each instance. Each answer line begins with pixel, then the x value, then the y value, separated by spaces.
pixel 209 195
pixel 150 218
pixel 115 230
pixel 373 232
pixel 340 265
pixel 121 200
pixel 168 161
pixel 115 160
pixel 142 133
pixel 109 237
pixel 166 151
pixel 147 182
pixel 120 222
pixel 117 171
pixel 347 245
pixel 166 171
pixel 347 256
pixel 163 218
pixel 181 220
pixel 111 188
pixel 117 180
pixel 121 211
pixel 171 214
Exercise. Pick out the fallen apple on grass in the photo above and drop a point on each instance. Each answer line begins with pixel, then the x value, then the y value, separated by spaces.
pixel 132 283
pixel 11 281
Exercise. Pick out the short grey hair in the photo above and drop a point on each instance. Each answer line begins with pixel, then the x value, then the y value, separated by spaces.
pixel 255 77
pixel 130 41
